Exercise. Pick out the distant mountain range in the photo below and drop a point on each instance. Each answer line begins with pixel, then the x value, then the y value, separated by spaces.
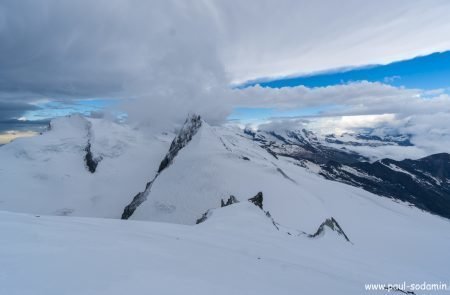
pixel 424 183
pixel 60 157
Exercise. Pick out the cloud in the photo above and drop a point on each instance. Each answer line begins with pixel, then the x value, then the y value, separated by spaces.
pixel 87 48
pixel 431 131
pixel 165 58
pixel 267 39
pixel 391 79
pixel 361 106
pixel 13 110
pixel 359 98
pixel 160 57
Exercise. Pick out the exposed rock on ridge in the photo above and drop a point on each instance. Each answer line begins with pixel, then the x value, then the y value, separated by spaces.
pixel 185 135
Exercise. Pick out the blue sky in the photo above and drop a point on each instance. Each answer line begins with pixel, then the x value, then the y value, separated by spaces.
pixel 425 72
pixel 52 109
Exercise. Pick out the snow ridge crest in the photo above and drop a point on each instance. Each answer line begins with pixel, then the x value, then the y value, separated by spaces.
pixel 185 135
pixel 189 129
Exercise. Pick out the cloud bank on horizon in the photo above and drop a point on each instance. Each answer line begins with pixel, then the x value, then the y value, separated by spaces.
pixel 163 59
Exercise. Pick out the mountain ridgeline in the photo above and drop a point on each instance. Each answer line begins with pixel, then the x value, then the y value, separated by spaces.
pixel 185 135
pixel 423 183
pixel 81 157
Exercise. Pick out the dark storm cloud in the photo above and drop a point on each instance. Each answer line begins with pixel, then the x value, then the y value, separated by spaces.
pixel 13 110
pixel 162 55
pixel 10 113
pixel 64 47
pixel 17 125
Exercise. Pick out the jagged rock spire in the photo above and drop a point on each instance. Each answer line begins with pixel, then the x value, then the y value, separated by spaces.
pixel 332 224
pixel 257 200
pixel 189 129
pixel 91 162
pixel 89 159
pixel 231 200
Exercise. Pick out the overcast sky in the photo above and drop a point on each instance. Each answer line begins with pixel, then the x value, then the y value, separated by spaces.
pixel 165 58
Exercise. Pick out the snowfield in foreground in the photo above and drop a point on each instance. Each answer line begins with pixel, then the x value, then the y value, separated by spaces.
pixel 237 250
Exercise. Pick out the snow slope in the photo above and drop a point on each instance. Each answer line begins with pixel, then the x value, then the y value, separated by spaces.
pixel 47 174
pixel 236 251
pixel 213 166
pixel 220 162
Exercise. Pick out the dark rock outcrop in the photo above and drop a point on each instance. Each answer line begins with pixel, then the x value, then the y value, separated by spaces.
pixel 231 200
pixel 301 145
pixel 189 129
pixel 332 224
pixel 203 218
pixel 138 199
pixel 90 161
pixel 257 200
pixel 424 183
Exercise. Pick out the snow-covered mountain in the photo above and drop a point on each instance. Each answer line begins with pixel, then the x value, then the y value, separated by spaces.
pixel 423 182
pixel 51 174
pixel 315 222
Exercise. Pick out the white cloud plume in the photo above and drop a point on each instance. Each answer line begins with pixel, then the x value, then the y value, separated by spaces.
pixel 360 98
